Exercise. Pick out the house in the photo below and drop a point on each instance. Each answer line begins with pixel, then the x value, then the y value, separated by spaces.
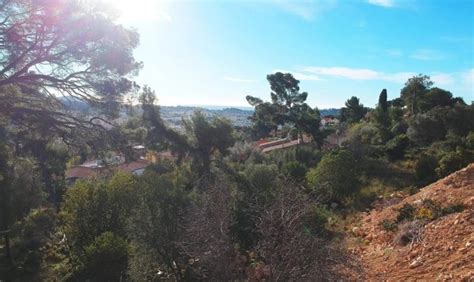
pixel 268 146
pixel 329 120
pixel 96 168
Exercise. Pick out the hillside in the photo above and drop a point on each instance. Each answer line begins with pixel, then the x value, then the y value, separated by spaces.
pixel 432 245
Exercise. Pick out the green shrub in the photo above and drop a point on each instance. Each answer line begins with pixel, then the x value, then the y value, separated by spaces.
pixel 454 160
pixel 425 169
pixel 336 176
pixel 395 148
pixel 389 225
pixel 452 209
pixel 317 220
pixel 406 212
pixel 106 258
pixel 295 170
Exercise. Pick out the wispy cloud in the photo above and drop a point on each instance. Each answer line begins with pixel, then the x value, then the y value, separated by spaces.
pixel 238 79
pixel 468 77
pixel 427 55
pixel 443 79
pixel 382 3
pixel 356 73
pixel 301 76
pixel 468 81
pixel 394 52
pixel 457 39
pixel 307 10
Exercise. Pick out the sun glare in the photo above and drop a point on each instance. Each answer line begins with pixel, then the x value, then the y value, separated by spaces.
pixel 140 10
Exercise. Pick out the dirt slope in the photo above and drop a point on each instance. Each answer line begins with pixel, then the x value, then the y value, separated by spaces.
pixel 443 251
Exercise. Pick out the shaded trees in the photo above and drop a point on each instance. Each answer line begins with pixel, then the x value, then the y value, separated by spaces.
pixel 63 47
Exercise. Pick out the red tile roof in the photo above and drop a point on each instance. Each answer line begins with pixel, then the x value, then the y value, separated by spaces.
pixel 86 172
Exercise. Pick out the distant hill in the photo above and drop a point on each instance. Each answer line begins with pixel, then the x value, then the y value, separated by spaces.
pixel 175 114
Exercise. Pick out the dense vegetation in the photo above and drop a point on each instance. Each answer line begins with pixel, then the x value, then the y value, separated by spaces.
pixel 220 208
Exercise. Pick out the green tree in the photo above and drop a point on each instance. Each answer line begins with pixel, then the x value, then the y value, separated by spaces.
pixel 414 92
pixel 382 117
pixel 287 106
pixel 353 110
pixel 88 57
pixel 106 258
pixel 336 175
pixel 97 206
pixel 157 223
pixel 208 138
pixel 383 100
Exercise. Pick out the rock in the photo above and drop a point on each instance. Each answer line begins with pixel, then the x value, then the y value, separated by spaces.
pixel 417 262
pixel 355 230
pixel 417 203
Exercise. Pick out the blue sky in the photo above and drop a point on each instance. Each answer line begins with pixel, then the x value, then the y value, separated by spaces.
pixel 217 52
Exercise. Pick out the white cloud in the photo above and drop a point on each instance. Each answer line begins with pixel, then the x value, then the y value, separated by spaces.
pixel 468 76
pixel 382 3
pixel 357 73
pixel 238 79
pixel 427 55
pixel 394 52
pixel 301 76
pixel 442 79
pixel 468 82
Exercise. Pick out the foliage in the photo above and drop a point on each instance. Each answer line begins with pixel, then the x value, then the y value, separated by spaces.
pixel 406 213
pixel 106 258
pixel 287 106
pixel 353 110
pixel 425 169
pixel 415 90
pixel 454 160
pixel 396 147
pixel 70 48
pixel 389 225
pixel 95 207
pixel 208 138
pixel 295 170
pixel 156 224
pixel 335 177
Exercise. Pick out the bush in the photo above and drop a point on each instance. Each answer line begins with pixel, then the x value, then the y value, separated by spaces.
pixel 389 225
pixel 106 258
pixel 406 212
pixel 452 209
pixel 453 161
pixel 425 169
pixel 395 148
pixel 295 170
pixel 317 219
pixel 336 176
pixel 409 232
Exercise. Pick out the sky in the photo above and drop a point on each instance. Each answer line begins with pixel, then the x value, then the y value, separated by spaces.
pixel 217 52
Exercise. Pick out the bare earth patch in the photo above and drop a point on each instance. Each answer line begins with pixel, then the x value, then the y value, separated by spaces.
pixel 444 249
